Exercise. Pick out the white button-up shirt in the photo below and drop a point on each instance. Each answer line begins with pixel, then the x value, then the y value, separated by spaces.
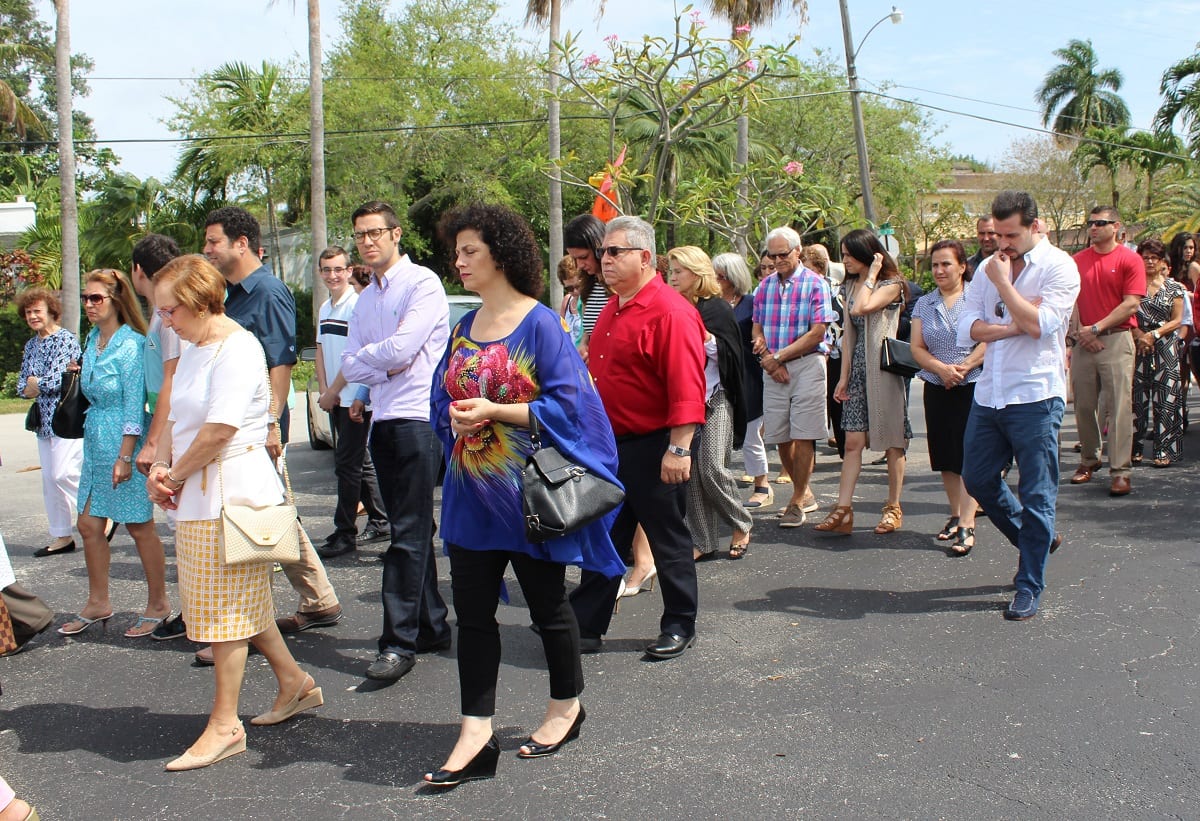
pixel 1019 370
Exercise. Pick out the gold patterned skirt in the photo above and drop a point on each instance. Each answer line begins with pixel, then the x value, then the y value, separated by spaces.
pixel 220 602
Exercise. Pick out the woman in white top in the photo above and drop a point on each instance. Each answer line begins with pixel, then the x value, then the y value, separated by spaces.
pixel 213 449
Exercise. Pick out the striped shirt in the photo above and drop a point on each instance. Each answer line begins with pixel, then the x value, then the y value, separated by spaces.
pixel 787 309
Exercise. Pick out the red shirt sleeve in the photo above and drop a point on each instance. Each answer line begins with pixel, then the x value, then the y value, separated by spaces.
pixel 677 342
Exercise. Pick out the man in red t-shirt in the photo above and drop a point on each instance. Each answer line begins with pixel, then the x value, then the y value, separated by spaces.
pixel 1112 284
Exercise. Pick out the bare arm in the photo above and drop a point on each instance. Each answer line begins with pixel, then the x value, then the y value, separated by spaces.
pixel 158 424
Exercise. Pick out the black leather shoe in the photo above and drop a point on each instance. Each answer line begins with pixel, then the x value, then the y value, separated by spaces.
pixel 390 667
pixel 482 766
pixel 42 553
pixel 435 646
pixel 336 548
pixel 534 749
pixel 373 534
pixel 590 644
pixel 1057 543
pixel 669 645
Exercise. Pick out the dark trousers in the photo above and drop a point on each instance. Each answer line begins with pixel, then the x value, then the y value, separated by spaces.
pixel 475 578
pixel 833 372
pixel 356 480
pixel 406 454
pixel 661 510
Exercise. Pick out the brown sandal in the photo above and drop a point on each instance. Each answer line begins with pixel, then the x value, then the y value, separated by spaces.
pixel 893 517
pixel 738 549
pixel 839 520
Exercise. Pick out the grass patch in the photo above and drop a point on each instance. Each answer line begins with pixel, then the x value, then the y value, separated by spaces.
pixel 8 405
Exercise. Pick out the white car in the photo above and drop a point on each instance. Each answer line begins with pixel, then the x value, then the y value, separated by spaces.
pixel 321 434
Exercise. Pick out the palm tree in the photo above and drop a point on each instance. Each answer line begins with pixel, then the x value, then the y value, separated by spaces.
pixel 16 115
pixel 69 217
pixel 1083 96
pixel 1103 148
pixel 1179 207
pixel 1151 153
pixel 1181 100
pixel 743 15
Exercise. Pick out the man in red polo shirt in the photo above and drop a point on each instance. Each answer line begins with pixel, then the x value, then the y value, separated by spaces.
pixel 1112 284
pixel 647 359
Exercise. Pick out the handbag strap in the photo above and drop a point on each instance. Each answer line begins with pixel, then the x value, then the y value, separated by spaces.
pixel 287 480
pixel 535 432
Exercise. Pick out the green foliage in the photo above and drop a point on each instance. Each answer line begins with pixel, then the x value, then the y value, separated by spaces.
pixel 13 335
pixel 1083 95
pixel 301 373
pixel 8 384
pixel 1181 101
pixel 306 334
pixel 1102 148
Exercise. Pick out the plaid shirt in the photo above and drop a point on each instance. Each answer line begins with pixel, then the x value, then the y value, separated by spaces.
pixel 787 309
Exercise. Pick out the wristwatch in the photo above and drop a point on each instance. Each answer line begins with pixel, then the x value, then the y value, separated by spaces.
pixel 678 451
pixel 1156 335
pixel 1095 330
pixel 126 459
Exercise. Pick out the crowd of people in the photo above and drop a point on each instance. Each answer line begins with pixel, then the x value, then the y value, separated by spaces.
pixel 652 373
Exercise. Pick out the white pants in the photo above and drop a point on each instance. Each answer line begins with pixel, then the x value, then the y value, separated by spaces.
pixel 61 461
pixel 754 452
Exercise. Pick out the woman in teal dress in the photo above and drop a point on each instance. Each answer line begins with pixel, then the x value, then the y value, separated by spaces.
pixel 115 425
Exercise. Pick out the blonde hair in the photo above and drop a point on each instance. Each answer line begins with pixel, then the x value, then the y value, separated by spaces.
pixel 696 261
pixel 120 289
pixel 197 285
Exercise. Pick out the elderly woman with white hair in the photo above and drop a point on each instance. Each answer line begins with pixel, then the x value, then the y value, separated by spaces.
pixel 737 288
pixel 712 490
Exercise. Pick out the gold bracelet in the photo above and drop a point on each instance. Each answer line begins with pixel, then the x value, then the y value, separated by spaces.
pixel 171 478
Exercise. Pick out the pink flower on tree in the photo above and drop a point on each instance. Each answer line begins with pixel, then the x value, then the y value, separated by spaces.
pixel 591 61
pixel 742 30
pixel 697 19
pixel 611 39
pixel 750 65
pixel 794 168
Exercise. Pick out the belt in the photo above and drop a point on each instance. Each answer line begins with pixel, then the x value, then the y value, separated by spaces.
pixel 1111 331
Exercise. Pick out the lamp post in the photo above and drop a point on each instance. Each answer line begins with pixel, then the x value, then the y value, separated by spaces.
pixel 860 137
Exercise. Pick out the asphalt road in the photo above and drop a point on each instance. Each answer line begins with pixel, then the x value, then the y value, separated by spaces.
pixel 859 677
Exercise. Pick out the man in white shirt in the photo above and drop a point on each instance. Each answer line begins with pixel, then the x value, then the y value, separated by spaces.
pixel 1019 305
pixel 346 405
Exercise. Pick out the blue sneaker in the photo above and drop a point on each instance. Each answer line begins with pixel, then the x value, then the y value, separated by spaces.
pixel 1024 606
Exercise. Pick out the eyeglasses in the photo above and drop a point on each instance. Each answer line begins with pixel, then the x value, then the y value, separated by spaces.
pixel 784 255
pixel 167 313
pixel 617 250
pixel 1148 258
pixel 338 270
pixel 1000 309
pixel 1099 223
pixel 95 299
pixel 372 234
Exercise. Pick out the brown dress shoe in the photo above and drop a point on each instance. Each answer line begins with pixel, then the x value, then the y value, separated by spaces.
pixel 1120 486
pixel 1083 475
pixel 306 621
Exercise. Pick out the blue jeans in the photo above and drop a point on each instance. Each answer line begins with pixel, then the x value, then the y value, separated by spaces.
pixel 407 455
pixel 1028 432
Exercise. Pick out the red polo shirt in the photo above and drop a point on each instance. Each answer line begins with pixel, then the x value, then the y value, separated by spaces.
pixel 647 360
pixel 1104 280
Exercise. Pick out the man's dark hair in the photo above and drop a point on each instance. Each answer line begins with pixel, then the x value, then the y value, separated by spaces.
pixel 585 231
pixel 237 222
pixel 1110 212
pixel 508 237
pixel 1008 203
pixel 153 251
pixel 376 207
pixel 333 251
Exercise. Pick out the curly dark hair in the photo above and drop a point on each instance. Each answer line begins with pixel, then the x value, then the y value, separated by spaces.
pixel 36 294
pixel 508 237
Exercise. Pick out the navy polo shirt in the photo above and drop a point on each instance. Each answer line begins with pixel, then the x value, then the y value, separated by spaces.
pixel 264 306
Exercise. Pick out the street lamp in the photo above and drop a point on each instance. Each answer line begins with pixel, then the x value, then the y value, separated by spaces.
pixel 860 137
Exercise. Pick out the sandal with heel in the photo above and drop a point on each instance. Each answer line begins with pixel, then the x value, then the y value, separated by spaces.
pixel 960 546
pixel 84 623
pixel 949 530
pixel 891 520
pixel 839 520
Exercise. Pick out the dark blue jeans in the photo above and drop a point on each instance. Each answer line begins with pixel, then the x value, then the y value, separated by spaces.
pixel 1028 432
pixel 406 455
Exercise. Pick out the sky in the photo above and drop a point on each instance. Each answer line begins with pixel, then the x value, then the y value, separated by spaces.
pixel 972 59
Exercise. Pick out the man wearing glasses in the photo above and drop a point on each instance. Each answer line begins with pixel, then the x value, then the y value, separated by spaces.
pixel 1112 284
pixel 345 402
pixel 647 337
pixel 791 312
pixel 1019 305
pixel 397 335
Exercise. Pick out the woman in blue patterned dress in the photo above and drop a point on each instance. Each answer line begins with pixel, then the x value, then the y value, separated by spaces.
pixel 949 373
pixel 114 384
pixel 47 357
pixel 1158 394
pixel 506 363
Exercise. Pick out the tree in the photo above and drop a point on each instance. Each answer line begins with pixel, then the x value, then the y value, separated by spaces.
pixel 1103 148
pixel 69 217
pixel 1181 101
pixel 1179 208
pixel 743 16
pixel 1045 169
pixel 1151 153
pixel 1083 96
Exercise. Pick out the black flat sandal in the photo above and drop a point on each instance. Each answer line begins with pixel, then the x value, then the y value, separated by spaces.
pixel 960 546
pixel 947 532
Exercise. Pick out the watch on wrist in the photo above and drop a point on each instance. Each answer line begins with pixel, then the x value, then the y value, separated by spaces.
pixel 126 459
pixel 1095 330
pixel 678 451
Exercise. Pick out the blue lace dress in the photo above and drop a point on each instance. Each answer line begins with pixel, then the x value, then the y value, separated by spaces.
pixel 114 382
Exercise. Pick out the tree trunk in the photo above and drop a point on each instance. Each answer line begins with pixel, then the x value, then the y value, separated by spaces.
pixel 273 228
pixel 66 167
pixel 316 130
pixel 554 134
pixel 743 187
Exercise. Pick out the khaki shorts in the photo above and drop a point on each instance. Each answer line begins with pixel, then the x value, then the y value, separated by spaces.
pixel 796 411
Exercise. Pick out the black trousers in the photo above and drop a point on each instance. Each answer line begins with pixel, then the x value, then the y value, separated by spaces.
pixel 661 510
pixel 356 480
pixel 833 372
pixel 407 454
pixel 475 577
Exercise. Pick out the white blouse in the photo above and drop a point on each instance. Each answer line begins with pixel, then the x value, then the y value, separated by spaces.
pixel 232 391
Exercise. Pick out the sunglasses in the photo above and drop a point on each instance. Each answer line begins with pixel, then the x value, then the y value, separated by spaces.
pixel 95 299
pixel 616 250
pixel 1099 223
pixel 784 255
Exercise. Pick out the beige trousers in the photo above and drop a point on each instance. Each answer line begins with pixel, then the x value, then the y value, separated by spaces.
pixel 309 579
pixel 1105 379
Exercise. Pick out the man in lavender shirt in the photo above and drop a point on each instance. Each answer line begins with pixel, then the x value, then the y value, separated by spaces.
pixel 397 336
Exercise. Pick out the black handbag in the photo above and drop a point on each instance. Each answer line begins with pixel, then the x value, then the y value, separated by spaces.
pixel 67 422
pixel 896 357
pixel 33 418
pixel 559 497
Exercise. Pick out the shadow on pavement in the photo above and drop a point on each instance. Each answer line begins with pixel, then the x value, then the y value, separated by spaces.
pixel 836 603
